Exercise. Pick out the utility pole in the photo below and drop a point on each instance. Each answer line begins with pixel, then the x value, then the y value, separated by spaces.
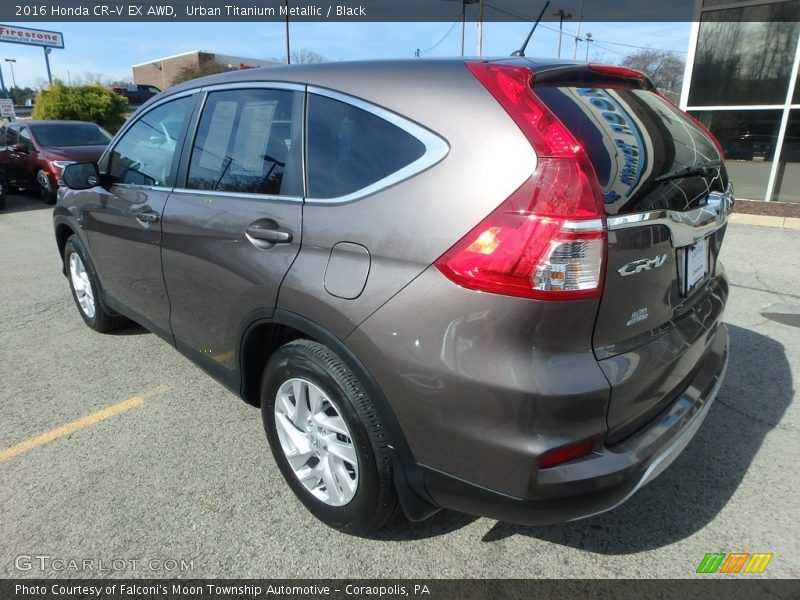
pixel 47 62
pixel 11 62
pixel 588 41
pixel 464 19
pixel 562 16
pixel 578 33
pixel 480 28
pixel 3 84
pixel 288 53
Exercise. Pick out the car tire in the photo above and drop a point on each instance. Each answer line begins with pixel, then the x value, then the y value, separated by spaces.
pixel 86 289
pixel 350 488
pixel 45 193
pixel 2 191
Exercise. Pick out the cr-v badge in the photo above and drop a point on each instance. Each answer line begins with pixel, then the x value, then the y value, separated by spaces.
pixel 645 264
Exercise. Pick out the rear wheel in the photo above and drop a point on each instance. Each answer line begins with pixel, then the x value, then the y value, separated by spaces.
pixel 327 438
pixel 85 288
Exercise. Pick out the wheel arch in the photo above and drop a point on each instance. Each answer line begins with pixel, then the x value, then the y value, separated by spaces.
pixel 266 331
pixel 63 231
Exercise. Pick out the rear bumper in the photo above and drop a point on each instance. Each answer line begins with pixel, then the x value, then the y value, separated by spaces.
pixel 606 478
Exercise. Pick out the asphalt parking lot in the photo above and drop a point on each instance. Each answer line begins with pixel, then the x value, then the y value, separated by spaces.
pixel 182 472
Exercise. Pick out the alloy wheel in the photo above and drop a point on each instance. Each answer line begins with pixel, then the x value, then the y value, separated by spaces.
pixel 316 441
pixel 81 285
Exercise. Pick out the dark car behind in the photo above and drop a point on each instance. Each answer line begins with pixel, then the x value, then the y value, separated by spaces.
pixel 34 153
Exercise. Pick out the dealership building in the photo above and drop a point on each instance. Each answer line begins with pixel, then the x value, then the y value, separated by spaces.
pixel 741 82
pixel 161 72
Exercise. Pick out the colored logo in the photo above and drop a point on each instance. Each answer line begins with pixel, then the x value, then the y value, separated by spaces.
pixel 735 562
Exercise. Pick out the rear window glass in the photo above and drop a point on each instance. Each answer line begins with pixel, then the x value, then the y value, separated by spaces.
pixel 71 134
pixel 350 148
pixel 632 136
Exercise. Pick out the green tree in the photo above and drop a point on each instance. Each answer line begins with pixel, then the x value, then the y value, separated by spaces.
pixel 206 67
pixel 82 103
pixel 664 67
pixel 20 95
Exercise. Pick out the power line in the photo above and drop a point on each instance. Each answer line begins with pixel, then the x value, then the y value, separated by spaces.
pixel 555 29
pixel 449 31
pixel 607 49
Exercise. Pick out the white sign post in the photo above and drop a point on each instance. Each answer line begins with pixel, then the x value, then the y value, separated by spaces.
pixel 7 109
pixel 33 37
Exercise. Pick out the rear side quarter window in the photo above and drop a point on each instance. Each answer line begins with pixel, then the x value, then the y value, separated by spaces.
pixel 350 149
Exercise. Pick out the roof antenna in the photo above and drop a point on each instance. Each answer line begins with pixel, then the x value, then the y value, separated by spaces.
pixel 521 51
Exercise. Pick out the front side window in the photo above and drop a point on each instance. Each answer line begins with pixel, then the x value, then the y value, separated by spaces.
pixel 249 141
pixel 146 152
pixel 350 148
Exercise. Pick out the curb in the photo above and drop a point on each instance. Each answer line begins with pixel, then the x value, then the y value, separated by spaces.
pixel 765 221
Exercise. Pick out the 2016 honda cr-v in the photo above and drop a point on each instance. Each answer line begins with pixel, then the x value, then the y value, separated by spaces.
pixel 484 285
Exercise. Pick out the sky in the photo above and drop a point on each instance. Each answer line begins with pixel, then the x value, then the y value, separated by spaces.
pixel 111 48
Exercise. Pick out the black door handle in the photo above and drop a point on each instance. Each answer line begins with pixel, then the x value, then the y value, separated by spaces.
pixel 148 217
pixel 269 234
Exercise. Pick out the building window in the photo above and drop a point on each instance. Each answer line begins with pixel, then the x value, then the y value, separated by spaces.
pixel 787 181
pixel 744 55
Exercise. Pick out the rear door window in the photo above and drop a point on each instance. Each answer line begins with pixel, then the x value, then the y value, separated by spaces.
pixel 350 149
pixel 249 141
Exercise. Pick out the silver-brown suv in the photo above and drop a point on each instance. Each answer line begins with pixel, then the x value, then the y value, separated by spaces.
pixel 484 285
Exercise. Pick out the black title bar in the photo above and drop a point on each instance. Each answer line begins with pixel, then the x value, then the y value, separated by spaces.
pixel 339 10
pixel 752 587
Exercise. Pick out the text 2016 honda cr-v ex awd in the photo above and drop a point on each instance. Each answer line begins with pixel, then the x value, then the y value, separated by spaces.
pixel 488 286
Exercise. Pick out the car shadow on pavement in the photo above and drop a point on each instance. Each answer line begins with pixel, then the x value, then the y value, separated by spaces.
pixel 23 203
pixel 130 328
pixel 754 397
pixel 442 523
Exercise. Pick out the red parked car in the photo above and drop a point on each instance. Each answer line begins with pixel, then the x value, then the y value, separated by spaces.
pixel 33 153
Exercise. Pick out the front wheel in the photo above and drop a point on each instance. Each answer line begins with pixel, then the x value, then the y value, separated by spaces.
pixel 45 189
pixel 327 438
pixel 85 288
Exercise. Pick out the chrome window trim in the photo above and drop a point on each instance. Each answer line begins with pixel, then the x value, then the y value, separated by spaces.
pixel 105 158
pixel 436 148
pixel 223 87
pixel 245 195
pixel 131 121
pixel 685 227
pixel 149 188
pixel 243 85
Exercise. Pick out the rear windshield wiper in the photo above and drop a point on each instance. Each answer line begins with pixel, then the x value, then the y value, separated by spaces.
pixel 698 169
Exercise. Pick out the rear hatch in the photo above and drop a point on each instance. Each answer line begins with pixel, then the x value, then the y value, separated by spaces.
pixel 666 198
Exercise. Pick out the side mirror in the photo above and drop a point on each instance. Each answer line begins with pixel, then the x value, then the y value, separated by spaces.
pixel 81 176
pixel 21 148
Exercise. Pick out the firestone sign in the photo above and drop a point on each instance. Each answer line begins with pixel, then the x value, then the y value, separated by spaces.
pixel 32 37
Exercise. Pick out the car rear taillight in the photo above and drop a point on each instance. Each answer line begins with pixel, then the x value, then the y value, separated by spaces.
pixel 617 71
pixel 547 240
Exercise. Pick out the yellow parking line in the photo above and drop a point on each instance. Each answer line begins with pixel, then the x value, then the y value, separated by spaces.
pixel 73 426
